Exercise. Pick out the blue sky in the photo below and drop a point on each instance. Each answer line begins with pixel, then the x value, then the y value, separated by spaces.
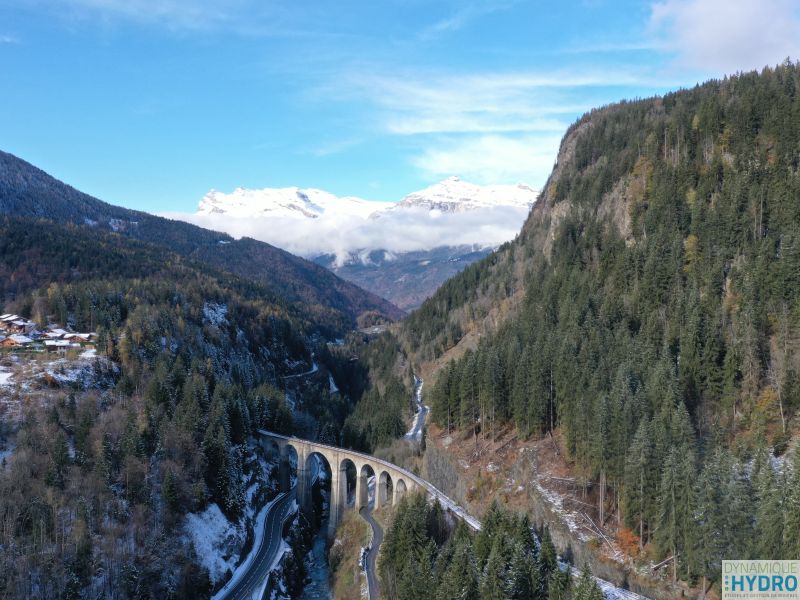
pixel 151 103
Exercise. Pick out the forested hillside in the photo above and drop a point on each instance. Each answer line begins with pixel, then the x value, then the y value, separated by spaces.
pixel 652 314
pixel 423 558
pixel 26 191
pixel 191 361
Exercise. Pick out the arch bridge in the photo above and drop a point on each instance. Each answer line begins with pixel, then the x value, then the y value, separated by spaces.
pixel 391 481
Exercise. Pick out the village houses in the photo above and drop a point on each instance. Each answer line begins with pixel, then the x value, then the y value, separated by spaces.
pixel 18 332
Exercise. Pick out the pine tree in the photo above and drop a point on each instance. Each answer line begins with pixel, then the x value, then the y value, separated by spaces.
pixel 791 529
pixel 460 580
pixel 738 531
pixel 638 481
pixel 587 589
pixel 493 581
pixel 547 564
pixel 675 509
pixel 769 513
pixel 520 573
pixel 560 585
pixel 706 536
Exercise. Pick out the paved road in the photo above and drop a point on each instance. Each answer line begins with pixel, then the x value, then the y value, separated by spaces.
pixel 267 549
pixel 372 554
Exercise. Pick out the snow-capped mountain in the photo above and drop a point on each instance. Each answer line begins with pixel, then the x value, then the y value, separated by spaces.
pixel 400 250
pixel 450 195
pixel 284 202
pixel 455 195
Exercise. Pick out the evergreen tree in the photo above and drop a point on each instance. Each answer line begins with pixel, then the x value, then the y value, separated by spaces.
pixel 547 564
pixel 587 589
pixel 769 513
pixel 493 585
pixel 460 580
pixel 560 585
pixel 791 530
pixel 638 489
pixel 521 573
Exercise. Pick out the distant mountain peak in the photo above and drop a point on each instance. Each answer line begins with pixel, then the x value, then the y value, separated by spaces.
pixel 291 202
pixel 456 195
pixel 449 195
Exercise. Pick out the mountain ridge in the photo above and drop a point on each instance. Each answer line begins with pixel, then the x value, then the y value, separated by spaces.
pixel 27 191
pixel 647 315
pixel 449 195
pixel 401 250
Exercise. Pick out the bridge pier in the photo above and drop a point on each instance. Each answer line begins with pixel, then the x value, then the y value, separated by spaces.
pixel 362 489
pixel 303 479
pixel 285 474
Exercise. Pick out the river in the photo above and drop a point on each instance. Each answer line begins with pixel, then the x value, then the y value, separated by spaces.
pixel 318 588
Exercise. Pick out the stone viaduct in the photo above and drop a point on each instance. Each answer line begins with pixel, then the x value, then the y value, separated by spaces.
pixel 391 481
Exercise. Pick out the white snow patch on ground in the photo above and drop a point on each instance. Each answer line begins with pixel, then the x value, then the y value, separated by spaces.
pixel 258 535
pixel 67 372
pixel 214 537
pixel 557 505
pixel 610 591
pixel 215 313
pixel 89 354
pixel 279 556
pixel 332 385
pixel 5 376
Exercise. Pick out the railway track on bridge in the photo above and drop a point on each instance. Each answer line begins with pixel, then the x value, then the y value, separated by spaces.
pixel 336 456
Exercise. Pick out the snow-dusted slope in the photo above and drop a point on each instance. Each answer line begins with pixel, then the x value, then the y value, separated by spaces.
pixel 284 202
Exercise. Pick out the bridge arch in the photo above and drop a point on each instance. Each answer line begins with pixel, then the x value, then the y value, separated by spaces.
pixel 400 490
pixel 384 489
pixel 348 481
pixel 349 476
pixel 366 493
pixel 318 476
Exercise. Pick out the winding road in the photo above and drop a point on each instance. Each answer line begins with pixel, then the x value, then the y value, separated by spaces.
pixel 372 553
pixel 251 577
pixel 414 434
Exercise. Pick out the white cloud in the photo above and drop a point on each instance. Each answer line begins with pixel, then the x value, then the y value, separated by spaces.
pixel 494 127
pixel 724 36
pixel 423 103
pixel 397 231
pixel 492 158
pixel 469 11
pixel 8 39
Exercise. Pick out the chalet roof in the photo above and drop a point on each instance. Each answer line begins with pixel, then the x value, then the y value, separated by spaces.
pixel 21 339
pixel 9 317
pixel 57 343
pixel 82 336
